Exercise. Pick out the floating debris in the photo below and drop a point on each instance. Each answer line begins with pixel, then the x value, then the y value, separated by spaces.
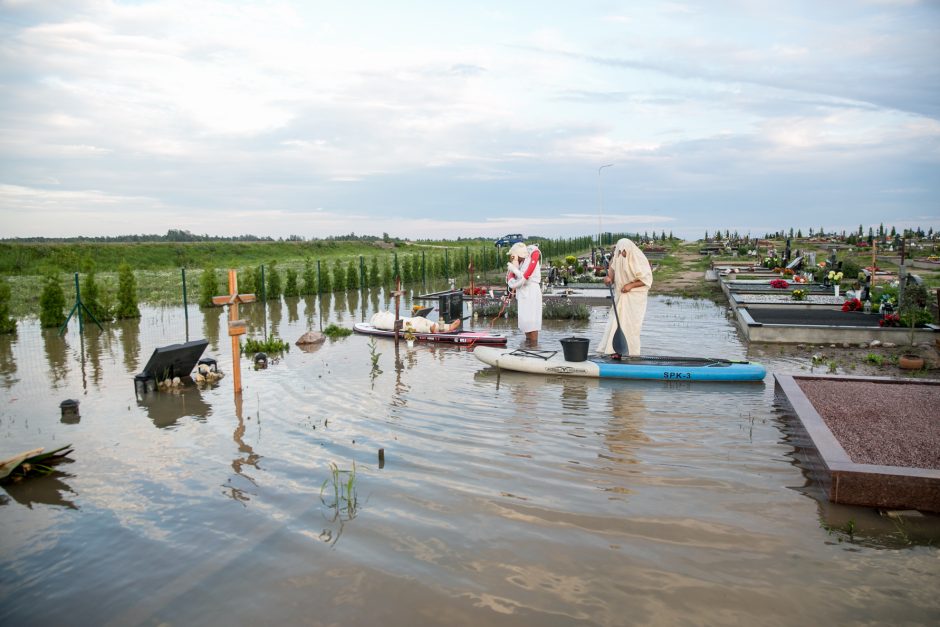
pixel 34 462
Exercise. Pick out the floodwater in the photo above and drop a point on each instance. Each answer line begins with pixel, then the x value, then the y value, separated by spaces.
pixel 503 499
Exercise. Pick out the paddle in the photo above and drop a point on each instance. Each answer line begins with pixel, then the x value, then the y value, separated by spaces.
pixel 620 340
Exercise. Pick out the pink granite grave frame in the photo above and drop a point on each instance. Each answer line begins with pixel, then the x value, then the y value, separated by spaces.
pixel 890 487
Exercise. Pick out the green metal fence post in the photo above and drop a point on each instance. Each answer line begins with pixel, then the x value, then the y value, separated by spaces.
pixel 185 304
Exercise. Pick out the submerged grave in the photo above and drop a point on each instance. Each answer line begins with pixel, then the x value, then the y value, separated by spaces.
pixel 870 441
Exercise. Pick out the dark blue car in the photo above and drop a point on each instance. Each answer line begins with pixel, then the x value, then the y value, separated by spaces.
pixel 509 240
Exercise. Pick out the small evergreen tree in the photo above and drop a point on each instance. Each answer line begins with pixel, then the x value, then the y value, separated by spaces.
pixel 274 282
pixel 326 284
pixel 310 277
pixel 258 281
pixel 373 272
pixel 52 303
pixel 387 273
pixel 352 276
pixel 290 288
pixel 92 297
pixel 406 276
pixel 209 286
pixel 127 293
pixel 339 276
pixel 7 322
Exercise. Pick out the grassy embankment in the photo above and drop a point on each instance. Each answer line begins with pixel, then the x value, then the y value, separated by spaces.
pixel 682 273
pixel 157 265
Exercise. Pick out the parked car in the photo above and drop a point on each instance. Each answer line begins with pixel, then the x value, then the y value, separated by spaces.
pixel 509 240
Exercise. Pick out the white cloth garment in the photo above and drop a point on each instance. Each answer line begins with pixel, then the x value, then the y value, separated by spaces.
pixel 386 320
pixel 525 279
pixel 631 307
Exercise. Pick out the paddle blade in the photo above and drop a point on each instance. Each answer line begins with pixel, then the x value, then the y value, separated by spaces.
pixel 620 342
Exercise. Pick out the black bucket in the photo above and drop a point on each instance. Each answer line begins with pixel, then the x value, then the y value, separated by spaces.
pixel 575 348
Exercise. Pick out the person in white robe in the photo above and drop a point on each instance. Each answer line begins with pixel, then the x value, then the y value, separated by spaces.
pixel 524 276
pixel 385 320
pixel 632 277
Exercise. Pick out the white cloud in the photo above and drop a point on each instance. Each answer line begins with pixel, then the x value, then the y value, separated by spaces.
pixel 280 106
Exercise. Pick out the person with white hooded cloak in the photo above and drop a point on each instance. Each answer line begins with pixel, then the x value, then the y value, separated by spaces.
pixel 524 276
pixel 632 277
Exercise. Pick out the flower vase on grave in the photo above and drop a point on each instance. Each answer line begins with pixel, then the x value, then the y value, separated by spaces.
pixel 837 289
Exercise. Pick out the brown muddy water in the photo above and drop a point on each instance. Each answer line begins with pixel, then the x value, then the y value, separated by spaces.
pixel 503 500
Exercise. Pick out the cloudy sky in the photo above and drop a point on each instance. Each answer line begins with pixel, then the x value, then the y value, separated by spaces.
pixel 446 119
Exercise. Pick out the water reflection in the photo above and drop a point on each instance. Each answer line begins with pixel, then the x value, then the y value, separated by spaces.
pixel 625 427
pixel 853 526
pixel 352 302
pixel 7 361
pixel 130 343
pixel 291 303
pixel 210 326
pixel 374 298
pixel 42 490
pixel 275 314
pixel 166 408
pixel 56 348
pixel 246 457
pixel 94 343
pixel 326 308
pixel 255 315
pixel 309 310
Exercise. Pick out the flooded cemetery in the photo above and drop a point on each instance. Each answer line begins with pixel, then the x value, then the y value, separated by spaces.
pixel 360 480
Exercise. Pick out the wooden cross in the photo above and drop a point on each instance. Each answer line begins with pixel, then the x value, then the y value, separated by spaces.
pixel 236 327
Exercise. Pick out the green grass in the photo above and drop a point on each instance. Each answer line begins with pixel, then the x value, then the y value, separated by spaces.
pixel 271 345
pixel 332 331
pixel 157 265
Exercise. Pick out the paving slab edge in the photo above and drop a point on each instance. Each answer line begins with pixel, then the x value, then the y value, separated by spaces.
pixel 861 484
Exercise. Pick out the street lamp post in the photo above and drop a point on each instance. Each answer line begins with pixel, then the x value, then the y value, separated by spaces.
pixel 600 205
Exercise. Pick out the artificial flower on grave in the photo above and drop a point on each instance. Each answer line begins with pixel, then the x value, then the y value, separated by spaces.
pixel 779 284
pixel 853 304
pixel 799 279
pixel 798 294
pixel 890 320
pixel 834 277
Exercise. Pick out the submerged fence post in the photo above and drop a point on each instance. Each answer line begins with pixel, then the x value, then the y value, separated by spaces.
pixel 319 283
pixel 424 270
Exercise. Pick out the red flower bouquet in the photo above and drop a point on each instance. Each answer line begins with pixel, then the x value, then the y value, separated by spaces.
pixel 779 284
pixel 853 304
pixel 890 320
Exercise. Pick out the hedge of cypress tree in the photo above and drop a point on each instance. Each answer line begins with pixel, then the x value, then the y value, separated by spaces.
pixel 52 302
pixel 374 272
pixel 339 276
pixel 7 322
pixel 290 288
pixel 208 287
pixel 93 298
pixel 352 276
pixel 387 278
pixel 274 281
pixel 310 277
pixel 127 293
pixel 326 282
